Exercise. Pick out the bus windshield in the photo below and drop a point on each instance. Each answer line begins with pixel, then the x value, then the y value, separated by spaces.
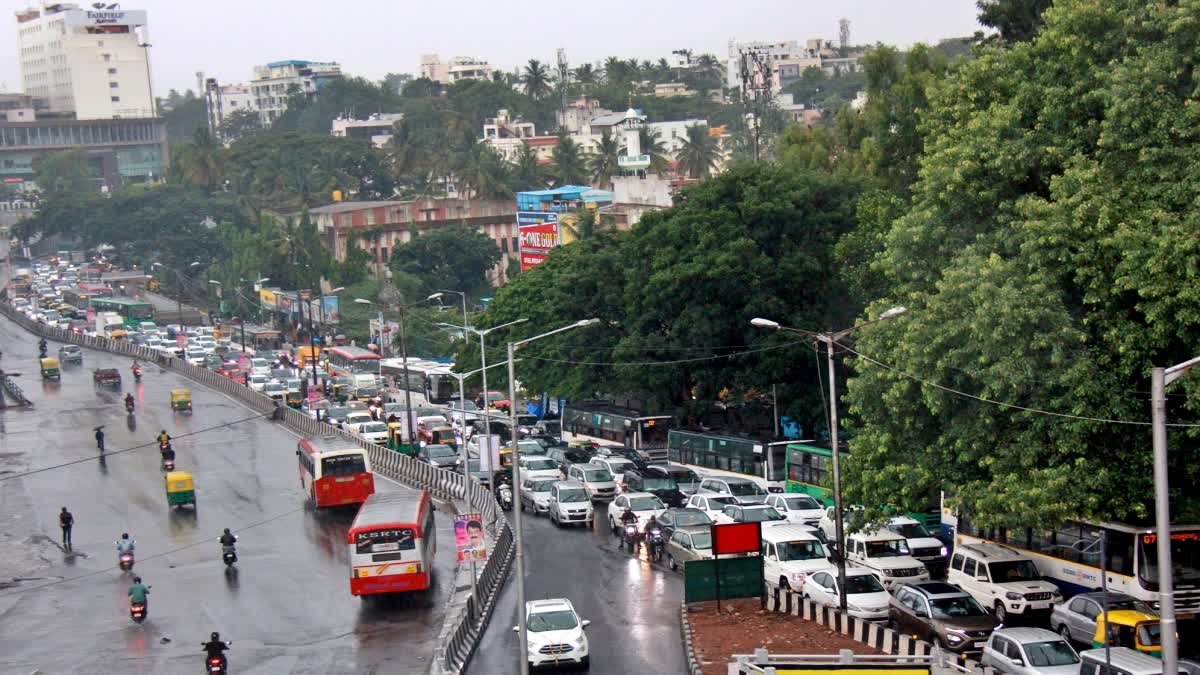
pixel 343 465
pixel 1185 558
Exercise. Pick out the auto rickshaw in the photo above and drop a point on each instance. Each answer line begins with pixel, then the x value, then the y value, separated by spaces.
pixel 180 489
pixel 341 392
pixel 506 462
pixel 443 435
pixel 294 400
pixel 50 369
pixel 396 439
pixel 181 400
pixel 1130 628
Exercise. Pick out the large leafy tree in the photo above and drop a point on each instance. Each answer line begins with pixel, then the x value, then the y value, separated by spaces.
pixel 1016 20
pixel 201 163
pixel 527 173
pixel 1046 257
pixel 65 171
pixel 457 258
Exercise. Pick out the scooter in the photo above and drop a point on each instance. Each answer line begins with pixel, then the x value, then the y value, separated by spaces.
pixel 229 555
pixel 137 612
pixel 137 374
pixel 506 499
pixel 654 544
pixel 630 540
pixel 129 406
pixel 215 664
pixel 125 561
pixel 168 462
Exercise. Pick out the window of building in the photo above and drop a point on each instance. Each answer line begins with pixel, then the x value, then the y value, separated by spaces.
pixel 112 71
pixel 107 57
pixel 504 245
pixel 112 85
pixel 516 243
pixel 116 99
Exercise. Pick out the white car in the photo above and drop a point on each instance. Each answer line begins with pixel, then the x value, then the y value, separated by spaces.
pixel 790 555
pixel 535 493
pixel 713 505
pixel 800 509
pixel 275 389
pixel 258 382
pixel 617 466
pixel 751 513
pixel 376 432
pixel 538 466
pixel 292 385
pixel 207 344
pixel 643 505
pixel 867 598
pixel 555 633
pixel 196 356
pixel 260 366
pixel 358 417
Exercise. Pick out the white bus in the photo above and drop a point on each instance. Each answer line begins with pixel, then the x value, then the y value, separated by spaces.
pixel 1069 556
pixel 428 378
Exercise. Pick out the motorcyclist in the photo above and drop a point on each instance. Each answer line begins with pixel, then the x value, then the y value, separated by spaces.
pixel 214 648
pixel 129 401
pixel 651 525
pixel 628 518
pixel 100 438
pixel 139 594
pixel 227 538
pixel 164 439
pixel 125 544
pixel 136 366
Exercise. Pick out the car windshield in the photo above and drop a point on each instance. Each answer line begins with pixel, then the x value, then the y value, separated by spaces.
pixel 659 484
pixel 575 495
pixel 1129 603
pixel 1052 653
pixel 890 548
pixel 548 621
pixel 685 518
pixel 760 515
pixel 952 608
pixel 540 464
pixel 645 504
pixel 542 485
pixel 800 550
pixel 374 427
pixel 597 475
pixel 746 489
pixel 684 475
pixel 1013 570
pixel 531 447
pixel 911 531
pixel 718 503
pixel 702 540
pixel 619 465
pixel 802 503
pixel 464 405
pixel 863 583
pixel 438 450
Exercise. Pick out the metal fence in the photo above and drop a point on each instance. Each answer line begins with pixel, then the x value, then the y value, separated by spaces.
pixel 441 483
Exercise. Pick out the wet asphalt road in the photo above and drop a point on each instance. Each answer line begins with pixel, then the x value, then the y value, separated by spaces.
pixel 287 608
pixel 633 605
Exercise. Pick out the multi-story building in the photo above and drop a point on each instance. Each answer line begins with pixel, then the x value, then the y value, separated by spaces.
pixel 577 114
pixel 377 128
pixel 774 65
pixel 459 68
pixel 118 150
pixel 88 63
pixel 276 81
pixel 379 227
pixel 507 135
pixel 222 100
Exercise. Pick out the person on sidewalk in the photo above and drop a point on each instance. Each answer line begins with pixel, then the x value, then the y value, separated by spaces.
pixel 66 521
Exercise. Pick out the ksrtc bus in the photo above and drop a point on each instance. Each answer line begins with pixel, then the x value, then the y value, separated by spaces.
pixel 428 378
pixel 334 471
pixel 603 423
pixel 352 361
pixel 392 543
pixel 713 453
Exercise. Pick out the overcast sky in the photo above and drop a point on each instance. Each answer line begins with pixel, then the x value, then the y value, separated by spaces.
pixel 226 38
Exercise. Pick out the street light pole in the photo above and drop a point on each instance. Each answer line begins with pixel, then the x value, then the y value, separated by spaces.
pixel 1159 379
pixel 462 396
pixel 516 461
pixel 830 339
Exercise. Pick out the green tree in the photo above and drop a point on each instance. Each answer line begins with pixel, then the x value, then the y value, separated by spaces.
pixel 483 174
pixel 239 124
pixel 1044 257
pixel 570 163
pixel 355 97
pixel 585 74
pixel 603 162
pixel 536 79
pixel 456 257
pixel 182 114
pixel 201 163
pixel 65 171
pixel 699 154
pixel 527 173
pixel 652 144
pixel 422 87
pixel 1015 20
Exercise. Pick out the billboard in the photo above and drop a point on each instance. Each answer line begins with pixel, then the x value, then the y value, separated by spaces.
pixel 105 17
pixel 469 537
pixel 266 298
pixel 328 311
pixel 539 234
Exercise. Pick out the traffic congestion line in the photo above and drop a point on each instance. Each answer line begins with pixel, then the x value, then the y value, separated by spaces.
pixel 106 454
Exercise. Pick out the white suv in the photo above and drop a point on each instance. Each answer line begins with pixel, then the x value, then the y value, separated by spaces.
pixel 555 633
pixel 800 509
pixel 887 555
pixel 744 490
pixel 1002 579
pixel 790 555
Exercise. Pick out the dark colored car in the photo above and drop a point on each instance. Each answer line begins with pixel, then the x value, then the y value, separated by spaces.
pixel 441 456
pixel 656 481
pixel 943 614
pixel 566 456
pixel 681 517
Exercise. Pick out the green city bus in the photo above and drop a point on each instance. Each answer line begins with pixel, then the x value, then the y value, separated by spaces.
pixel 133 312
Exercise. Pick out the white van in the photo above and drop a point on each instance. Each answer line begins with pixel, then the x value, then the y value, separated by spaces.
pixel 887 555
pixel 1125 661
pixel 1002 580
pixel 791 554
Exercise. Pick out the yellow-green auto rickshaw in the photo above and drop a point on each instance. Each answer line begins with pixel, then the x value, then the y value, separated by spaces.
pixel 1130 628
pixel 180 489
pixel 181 400
pixel 50 369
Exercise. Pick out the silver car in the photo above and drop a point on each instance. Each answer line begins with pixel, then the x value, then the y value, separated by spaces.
pixel 1075 619
pixel 693 542
pixel 1029 651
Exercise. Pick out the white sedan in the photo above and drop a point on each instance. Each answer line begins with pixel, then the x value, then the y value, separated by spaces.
pixel 713 505
pixel 275 389
pixel 258 382
pixel 864 594
pixel 376 432
pixel 643 505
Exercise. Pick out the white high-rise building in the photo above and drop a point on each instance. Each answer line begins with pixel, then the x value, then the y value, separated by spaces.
pixel 90 62
pixel 276 81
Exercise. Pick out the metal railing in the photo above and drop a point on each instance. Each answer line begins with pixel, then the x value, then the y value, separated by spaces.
pixel 441 483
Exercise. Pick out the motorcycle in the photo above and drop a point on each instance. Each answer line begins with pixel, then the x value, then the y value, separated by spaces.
pixel 630 540
pixel 654 544
pixel 168 463
pixel 125 561
pixel 229 555
pixel 506 498
pixel 216 664
pixel 137 374
pixel 137 611
pixel 129 406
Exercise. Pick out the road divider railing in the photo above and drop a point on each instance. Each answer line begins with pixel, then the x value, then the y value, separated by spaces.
pixel 441 483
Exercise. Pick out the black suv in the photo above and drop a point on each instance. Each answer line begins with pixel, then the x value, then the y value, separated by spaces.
pixel 568 456
pixel 657 481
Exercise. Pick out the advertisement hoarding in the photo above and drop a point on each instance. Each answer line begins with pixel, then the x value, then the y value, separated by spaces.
pixel 328 311
pixel 539 234
pixel 105 17
pixel 266 298
pixel 470 538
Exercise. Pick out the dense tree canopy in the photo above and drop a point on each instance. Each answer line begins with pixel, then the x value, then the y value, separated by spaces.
pixel 456 258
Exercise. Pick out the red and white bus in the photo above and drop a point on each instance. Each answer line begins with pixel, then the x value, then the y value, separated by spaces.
pixel 353 361
pixel 392 542
pixel 334 471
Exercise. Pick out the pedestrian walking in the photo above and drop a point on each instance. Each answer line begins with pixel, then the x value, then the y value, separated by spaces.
pixel 66 521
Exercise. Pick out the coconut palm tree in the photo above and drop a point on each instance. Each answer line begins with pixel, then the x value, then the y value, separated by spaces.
pixel 525 172
pixel 536 79
pixel 616 70
pixel 652 145
pixel 570 162
pixel 204 161
pixel 699 153
pixel 603 163
pixel 482 173
pixel 585 74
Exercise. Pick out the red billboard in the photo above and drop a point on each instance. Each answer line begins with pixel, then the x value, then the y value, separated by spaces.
pixel 539 234
pixel 736 538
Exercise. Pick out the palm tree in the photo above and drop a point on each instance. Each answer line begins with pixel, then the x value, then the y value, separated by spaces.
pixel 483 174
pixel 570 165
pixel 699 154
pixel 603 163
pixel 662 70
pixel 585 74
pixel 536 79
pixel 580 223
pixel 526 173
pixel 615 70
pixel 204 161
pixel 652 145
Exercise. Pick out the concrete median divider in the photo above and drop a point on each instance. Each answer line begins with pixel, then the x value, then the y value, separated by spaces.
pixel 444 485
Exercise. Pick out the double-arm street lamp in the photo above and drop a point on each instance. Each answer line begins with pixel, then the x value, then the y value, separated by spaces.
pixel 830 339
pixel 238 291
pixel 401 309
pixel 516 462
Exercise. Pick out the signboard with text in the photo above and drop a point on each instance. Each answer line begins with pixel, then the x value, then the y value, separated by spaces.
pixel 105 17
pixel 539 234
pixel 469 537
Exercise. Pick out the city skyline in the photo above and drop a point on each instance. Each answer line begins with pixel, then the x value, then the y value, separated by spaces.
pixel 186 41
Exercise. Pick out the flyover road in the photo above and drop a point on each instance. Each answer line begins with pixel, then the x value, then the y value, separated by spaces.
pixel 288 607
pixel 633 605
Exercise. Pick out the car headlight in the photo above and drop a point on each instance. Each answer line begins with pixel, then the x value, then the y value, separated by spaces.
pixel 1013 596
pixel 954 639
pixel 944 552
pixel 1057 594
